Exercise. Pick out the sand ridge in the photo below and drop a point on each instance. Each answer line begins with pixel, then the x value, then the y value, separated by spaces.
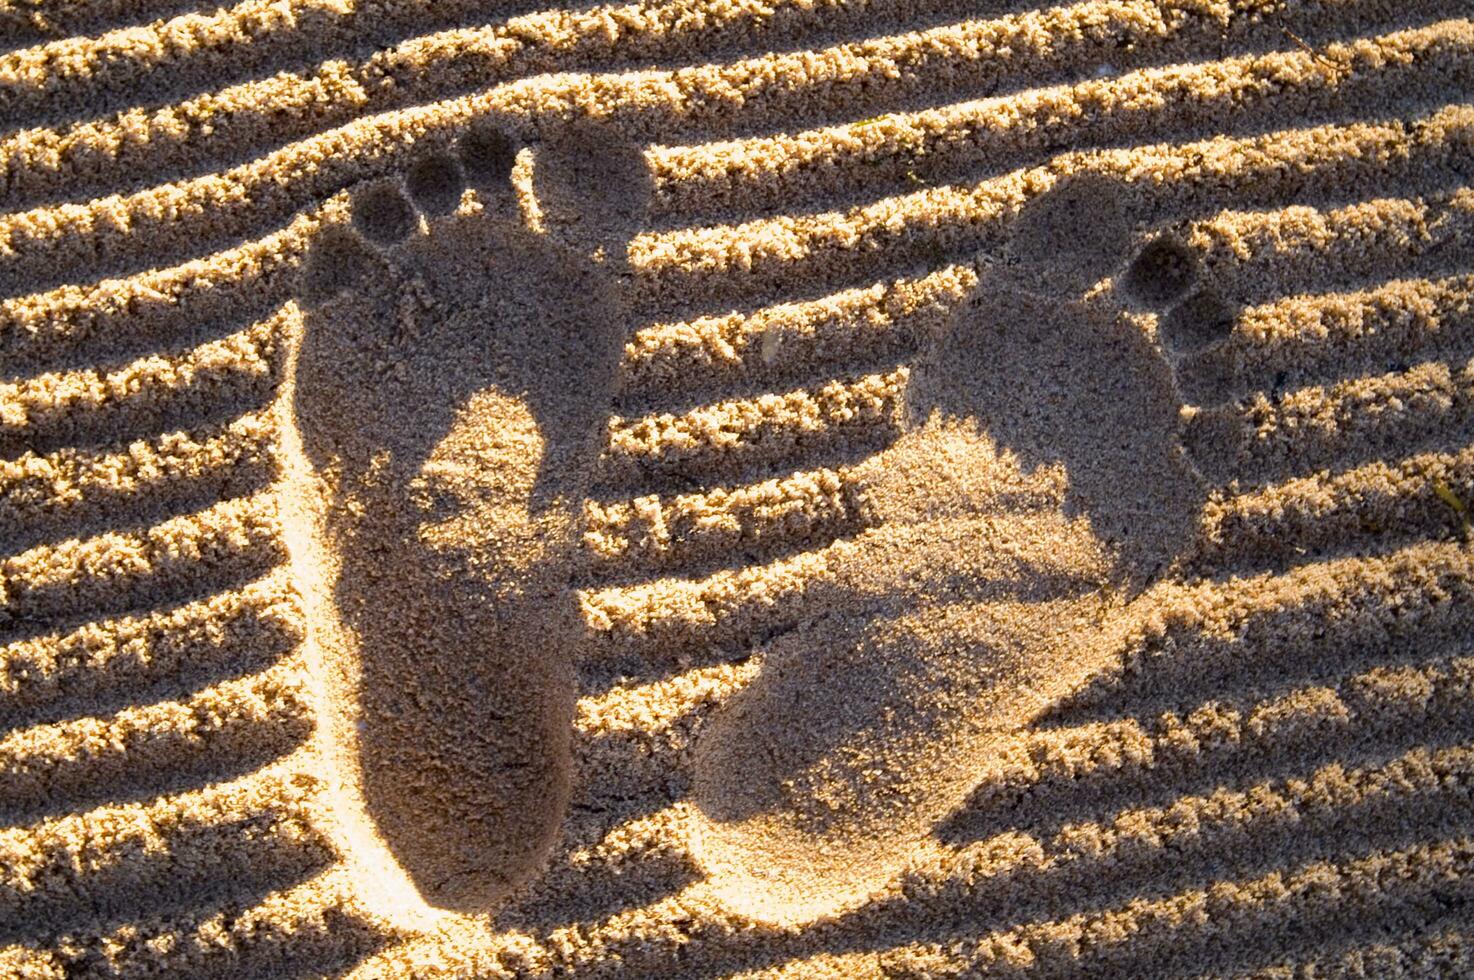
pixel 1258 768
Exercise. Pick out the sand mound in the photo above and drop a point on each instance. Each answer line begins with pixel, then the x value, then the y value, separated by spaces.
pixel 788 489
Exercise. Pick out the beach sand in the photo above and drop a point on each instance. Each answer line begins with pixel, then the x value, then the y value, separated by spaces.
pixel 850 488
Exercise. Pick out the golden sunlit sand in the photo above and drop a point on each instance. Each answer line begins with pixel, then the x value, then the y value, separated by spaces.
pixel 760 489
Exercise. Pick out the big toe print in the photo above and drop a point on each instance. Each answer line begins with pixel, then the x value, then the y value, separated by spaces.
pixel 450 388
pixel 1042 484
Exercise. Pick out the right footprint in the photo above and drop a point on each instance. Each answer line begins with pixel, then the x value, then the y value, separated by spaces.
pixel 451 387
pixel 1048 475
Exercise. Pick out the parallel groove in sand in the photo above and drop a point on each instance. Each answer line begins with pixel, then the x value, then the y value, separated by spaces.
pixel 72 407
pixel 768 431
pixel 230 541
pixel 126 656
pixel 498 51
pixel 299 104
pixel 43 243
pixel 737 261
pixel 142 751
pixel 86 851
pixel 1333 703
pixel 44 496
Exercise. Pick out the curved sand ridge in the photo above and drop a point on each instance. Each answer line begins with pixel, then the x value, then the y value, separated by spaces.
pixel 1253 758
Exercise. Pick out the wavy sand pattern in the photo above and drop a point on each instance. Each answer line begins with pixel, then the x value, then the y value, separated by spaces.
pixel 758 489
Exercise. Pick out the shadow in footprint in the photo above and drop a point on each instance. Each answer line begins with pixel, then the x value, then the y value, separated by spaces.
pixel 1042 483
pixel 452 379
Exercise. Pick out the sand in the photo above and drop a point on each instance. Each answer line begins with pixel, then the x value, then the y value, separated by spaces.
pixel 762 489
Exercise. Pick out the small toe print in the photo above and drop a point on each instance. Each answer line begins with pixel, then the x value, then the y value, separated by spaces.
pixel 381 214
pixel 1213 439
pixel 335 260
pixel 435 184
pixel 1202 321
pixel 1207 377
pixel 1164 270
pixel 487 155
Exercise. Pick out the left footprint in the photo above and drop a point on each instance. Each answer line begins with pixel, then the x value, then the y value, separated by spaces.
pixel 451 386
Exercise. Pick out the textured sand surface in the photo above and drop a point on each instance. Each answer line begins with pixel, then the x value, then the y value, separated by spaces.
pixel 840 488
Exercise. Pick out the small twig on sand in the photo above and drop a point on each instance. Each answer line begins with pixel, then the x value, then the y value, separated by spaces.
pixel 1456 504
pixel 1300 43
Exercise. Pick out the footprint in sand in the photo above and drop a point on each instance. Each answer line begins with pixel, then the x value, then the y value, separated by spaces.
pixel 451 384
pixel 1046 477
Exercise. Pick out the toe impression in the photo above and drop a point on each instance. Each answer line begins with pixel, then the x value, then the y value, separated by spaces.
pixel 435 183
pixel 382 214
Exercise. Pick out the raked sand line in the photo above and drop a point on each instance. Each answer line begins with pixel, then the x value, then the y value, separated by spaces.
pixel 958 56
pixel 938 220
pixel 221 203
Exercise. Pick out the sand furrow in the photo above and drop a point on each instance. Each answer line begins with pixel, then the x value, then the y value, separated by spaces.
pixel 1374 240
pixel 227 543
pixel 1241 95
pixel 226 730
pixel 644 710
pixel 807 509
pixel 1082 861
pixel 132 860
pixel 236 203
pixel 740 608
pixel 1322 336
pixel 179 55
pixel 120 319
pixel 1258 633
pixel 1428 406
pixel 644 774
pixel 831 251
pixel 53 69
pixel 78 76
pixel 96 405
pixel 635 841
pixel 886 321
pixel 193 133
pixel 257 190
pixel 1301 519
pixel 694 617
pixel 644 858
pixel 71 492
pixel 36 21
pixel 730 440
pixel 1303 904
pixel 971 56
pixel 1101 766
pixel 757 258
pixel 108 664
pixel 637 738
pixel 1147 935
pixel 1440 945
pixel 1120 769
pixel 303 929
pixel 1091 757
